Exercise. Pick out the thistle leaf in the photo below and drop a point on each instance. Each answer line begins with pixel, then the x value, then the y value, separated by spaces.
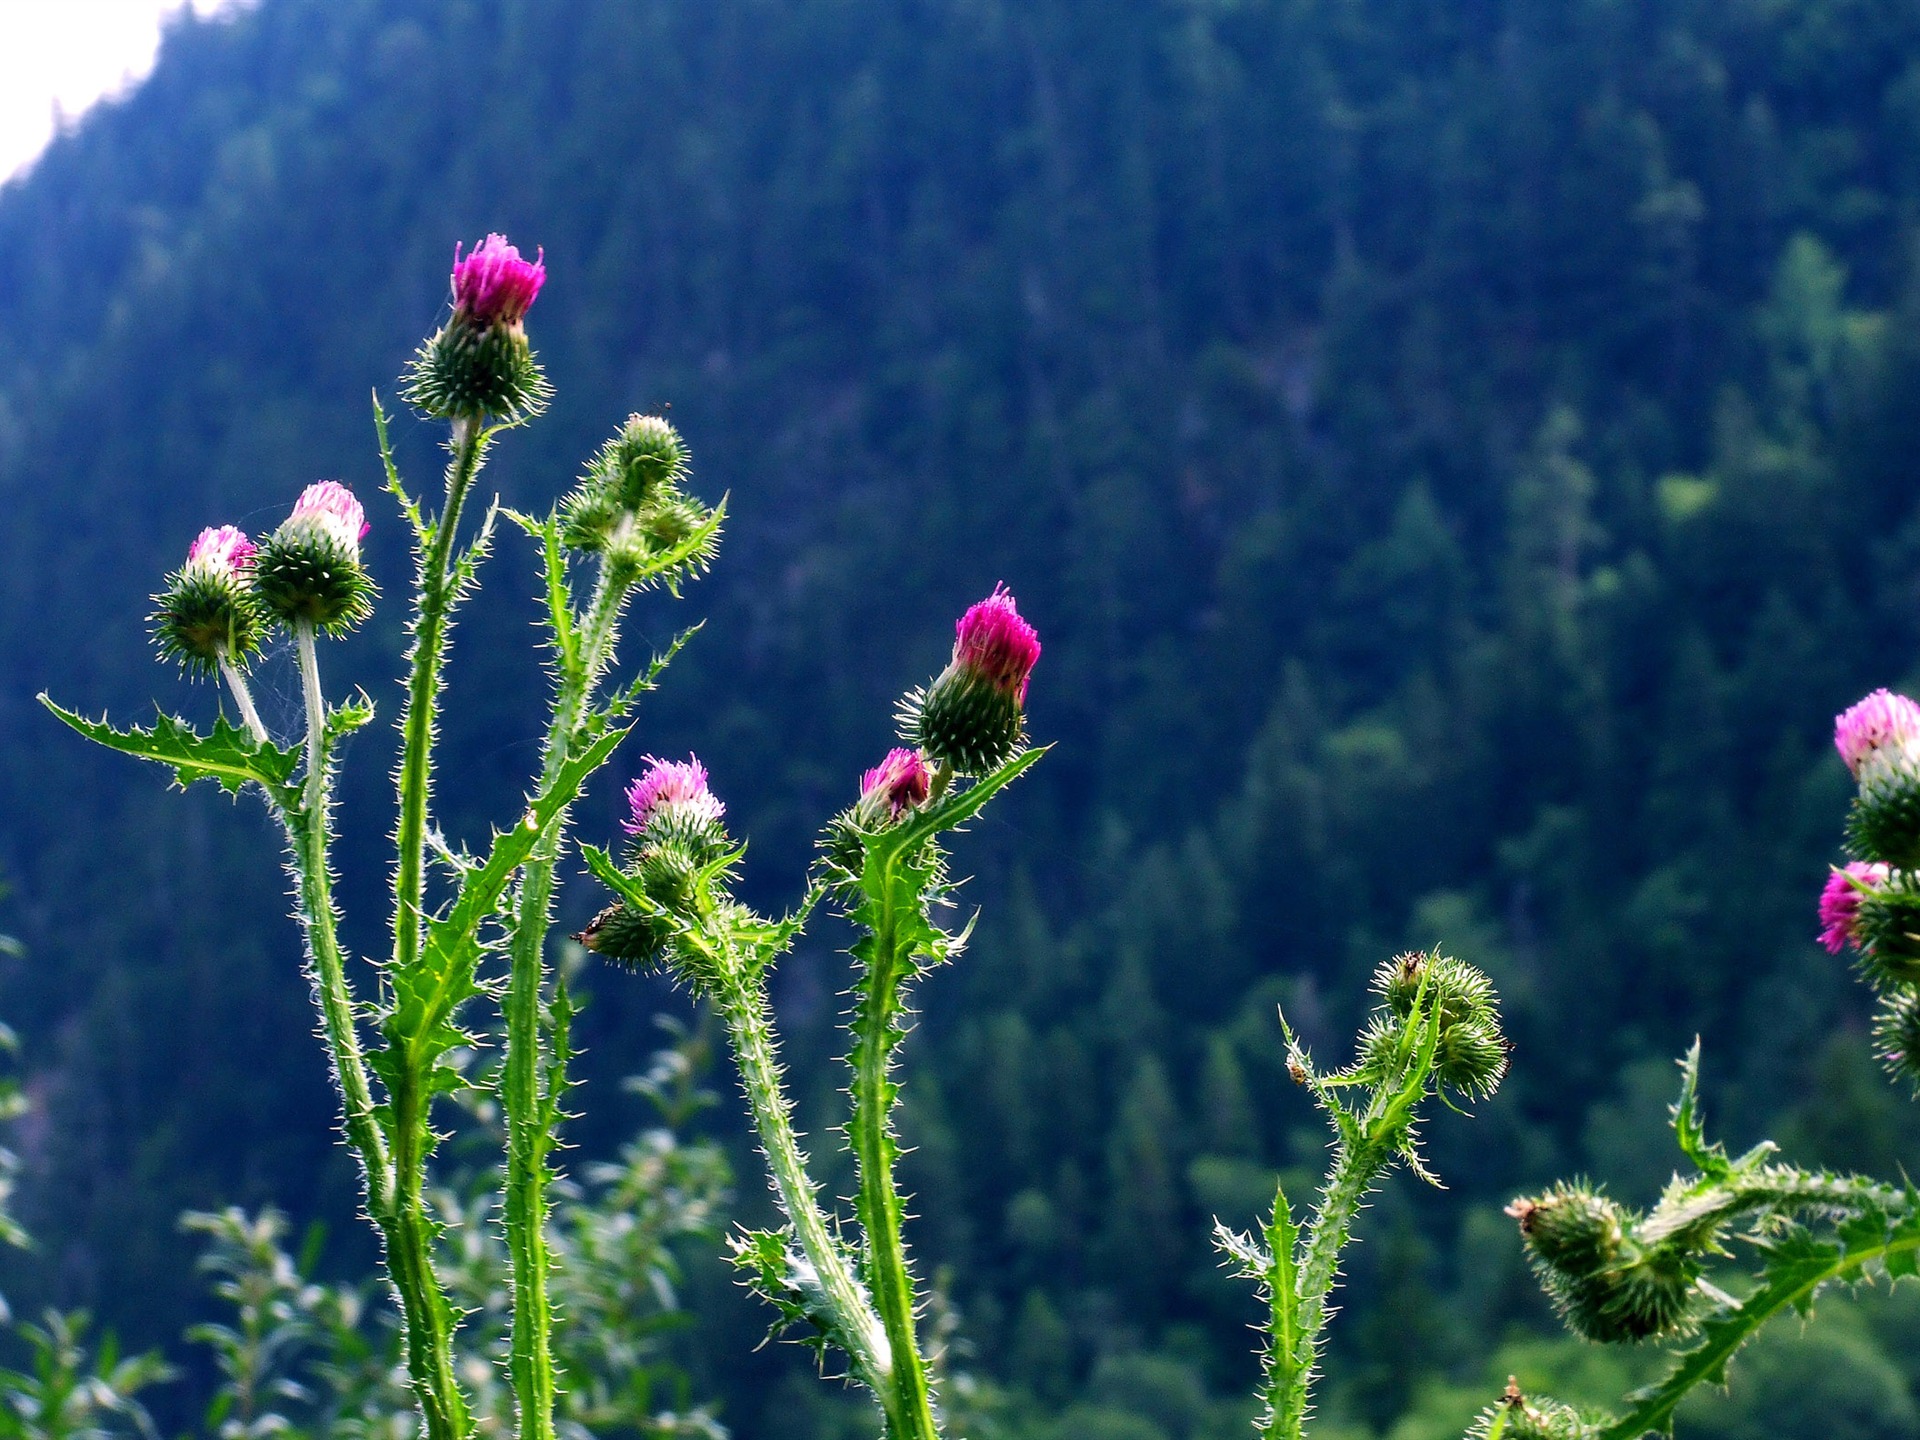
pixel 228 756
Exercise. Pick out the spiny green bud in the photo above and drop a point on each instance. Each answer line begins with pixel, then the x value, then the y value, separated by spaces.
pixel 1572 1229
pixel 627 937
pixel 1648 1296
pixel 308 571
pixel 644 458
pixel 1884 823
pixel 1887 927
pixel 1896 1034
pixel 1472 1057
pixel 207 613
pixel 1456 989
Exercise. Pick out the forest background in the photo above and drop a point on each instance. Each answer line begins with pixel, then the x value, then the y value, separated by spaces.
pixel 1459 458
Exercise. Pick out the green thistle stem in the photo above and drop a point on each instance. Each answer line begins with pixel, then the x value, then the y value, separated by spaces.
pixel 433 600
pixel 394 1204
pixel 743 1009
pixel 889 962
pixel 242 698
pixel 529 1137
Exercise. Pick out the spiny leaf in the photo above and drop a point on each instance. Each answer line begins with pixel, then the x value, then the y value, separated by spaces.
pixel 228 756
pixel 1688 1127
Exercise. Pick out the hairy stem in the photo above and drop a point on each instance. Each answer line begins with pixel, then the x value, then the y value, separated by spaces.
pixel 243 698
pixel 877 1030
pixel 395 1211
pixel 743 1009
pixel 433 600
pixel 530 1359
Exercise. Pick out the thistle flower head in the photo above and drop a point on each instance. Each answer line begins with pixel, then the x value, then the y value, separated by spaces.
pixel 207 613
pixel 893 787
pixel 494 285
pixel 1840 903
pixel 220 550
pixel 972 715
pixel 328 508
pixel 993 642
pixel 308 571
pixel 672 790
pixel 1883 723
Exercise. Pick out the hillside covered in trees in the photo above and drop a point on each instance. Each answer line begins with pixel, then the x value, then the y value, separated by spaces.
pixel 1459 459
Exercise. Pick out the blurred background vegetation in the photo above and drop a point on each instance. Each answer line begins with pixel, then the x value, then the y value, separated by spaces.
pixel 1459 458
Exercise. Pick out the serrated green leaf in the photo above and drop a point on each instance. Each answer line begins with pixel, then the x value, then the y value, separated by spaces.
pixel 230 757
pixel 1688 1127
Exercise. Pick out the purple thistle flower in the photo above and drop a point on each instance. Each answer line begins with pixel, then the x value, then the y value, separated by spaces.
pixel 1883 721
pixel 1840 903
pixel 672 787
pixel 329 507
pixel 895 786
pixel 220 551
pixel 993 643
pixel 494 285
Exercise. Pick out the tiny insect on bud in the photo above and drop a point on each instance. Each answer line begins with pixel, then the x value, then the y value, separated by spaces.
pixel 972 715
pixel 308 571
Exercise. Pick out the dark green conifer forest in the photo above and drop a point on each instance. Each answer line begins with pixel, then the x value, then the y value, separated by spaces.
pixel 1459 457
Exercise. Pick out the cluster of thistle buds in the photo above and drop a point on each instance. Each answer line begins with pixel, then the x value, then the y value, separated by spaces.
pixel 1873 903
pixel 218 607
pixel 969 720
pixel 1471 1053
pixel 1609 1283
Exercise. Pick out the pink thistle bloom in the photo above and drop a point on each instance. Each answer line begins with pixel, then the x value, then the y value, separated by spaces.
pixel 672 786
pixel 993 642
pixel 1840 903
pixel 897 784
pixel 1882 721
pixel 330 508
pixel 220 550
pixel 494 285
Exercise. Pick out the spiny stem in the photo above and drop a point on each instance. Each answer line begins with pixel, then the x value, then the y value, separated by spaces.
pixel 909 1405
pixel 394 1203
pixel 743 1009
pixel 242 698
pixel 432 602
pixel 530 1359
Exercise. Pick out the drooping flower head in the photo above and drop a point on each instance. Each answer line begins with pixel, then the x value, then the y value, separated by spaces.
pixel 494 285
pixel 672 791
pixel 1840 903
pixel 993 642
pixel 972 715
pixel 207 613
pixel 479 363
pixel 220 550
pixel 1882 724
pixel 308 571
pixel 893 787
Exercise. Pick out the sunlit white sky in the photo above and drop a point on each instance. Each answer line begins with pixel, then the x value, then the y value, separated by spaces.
pixel 69 53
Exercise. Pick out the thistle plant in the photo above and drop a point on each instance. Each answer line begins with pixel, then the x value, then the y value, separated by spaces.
pixel 848 1288
pixel 469 931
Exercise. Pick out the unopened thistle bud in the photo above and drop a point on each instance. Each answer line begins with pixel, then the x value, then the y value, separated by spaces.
pixel 1896 1034
pixel 1572 1230
pixel 1520 1417
pixel 479 363
pixel 308 571
pixel 208 613
pixel 676 829
pixel 971 716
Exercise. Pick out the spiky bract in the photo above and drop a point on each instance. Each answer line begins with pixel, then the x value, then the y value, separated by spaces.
pixel 469 371
pixel 963 720
pixel 305 575
pixel 1522 1417
pixel 1572 1229
pixel 206 613
pixel 1884 823
pixel 1471 1055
